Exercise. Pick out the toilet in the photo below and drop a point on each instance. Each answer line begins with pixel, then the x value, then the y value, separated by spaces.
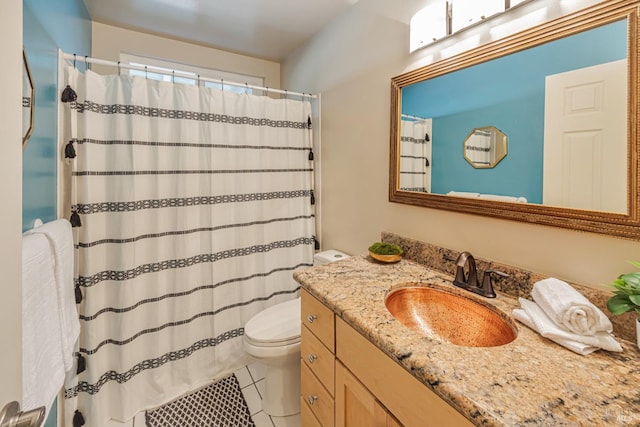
pixel 273 338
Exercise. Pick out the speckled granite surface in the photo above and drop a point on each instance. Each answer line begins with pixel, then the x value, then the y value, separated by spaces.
pixel 530 381
pixel 518 284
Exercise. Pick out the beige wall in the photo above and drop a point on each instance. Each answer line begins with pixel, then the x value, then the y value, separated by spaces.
pixel 109 41
pixel 11 207
pixel 351 63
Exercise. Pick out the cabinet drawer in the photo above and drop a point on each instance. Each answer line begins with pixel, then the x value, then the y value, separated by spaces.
pixel 318 358
pixel 316 397
pixel 307 419
pixel 319 319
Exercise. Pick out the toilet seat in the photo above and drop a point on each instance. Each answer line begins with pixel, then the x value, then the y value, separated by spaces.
pixel 277 326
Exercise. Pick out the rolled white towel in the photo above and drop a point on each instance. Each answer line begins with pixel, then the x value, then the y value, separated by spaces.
pixel 548 329
pixel 576 347
pixel 568 308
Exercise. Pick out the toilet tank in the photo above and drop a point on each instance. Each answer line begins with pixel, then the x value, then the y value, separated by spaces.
pixel 325 257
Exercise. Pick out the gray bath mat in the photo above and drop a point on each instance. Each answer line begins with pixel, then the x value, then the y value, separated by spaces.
pixel 220 404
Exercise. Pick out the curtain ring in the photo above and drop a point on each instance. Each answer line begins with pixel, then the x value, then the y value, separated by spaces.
pixel 145 72
pixel 173 76
pixel 86 62
pixel 222 84
pixel 119 72
pixel 74 60
pixel 198 80
pixel 246 87
pixel 286 94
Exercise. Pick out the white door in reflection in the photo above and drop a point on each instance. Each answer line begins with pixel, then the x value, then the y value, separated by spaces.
pixel 585 138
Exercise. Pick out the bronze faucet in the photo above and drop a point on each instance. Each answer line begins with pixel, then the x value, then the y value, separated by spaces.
pixel 470 281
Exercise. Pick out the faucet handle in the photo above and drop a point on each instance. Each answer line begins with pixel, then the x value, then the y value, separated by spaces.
pixel 462 279
pixel 487 285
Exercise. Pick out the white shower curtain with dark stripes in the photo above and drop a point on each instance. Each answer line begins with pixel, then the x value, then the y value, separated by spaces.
pixel 195 208
pixel 415 151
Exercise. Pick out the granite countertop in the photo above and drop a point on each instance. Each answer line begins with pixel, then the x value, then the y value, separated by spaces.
pixel 530 381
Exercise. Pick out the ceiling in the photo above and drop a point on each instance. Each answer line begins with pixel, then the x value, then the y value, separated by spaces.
pixel 269 29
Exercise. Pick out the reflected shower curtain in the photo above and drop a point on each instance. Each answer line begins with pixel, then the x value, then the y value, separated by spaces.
pixel 414 164
pixel 195 208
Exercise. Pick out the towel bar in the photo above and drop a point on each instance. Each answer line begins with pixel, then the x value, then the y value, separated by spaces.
pixel 11 415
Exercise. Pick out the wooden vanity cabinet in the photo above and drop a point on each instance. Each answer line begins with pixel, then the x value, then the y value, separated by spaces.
pixel 404 396
pixel 356 406
pixel 348 382
pixel 317 351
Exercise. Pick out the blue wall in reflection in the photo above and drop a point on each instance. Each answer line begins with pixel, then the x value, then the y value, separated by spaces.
pixel 507 93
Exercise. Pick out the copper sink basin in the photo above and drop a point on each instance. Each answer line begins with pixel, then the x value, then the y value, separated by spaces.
pixel 453 318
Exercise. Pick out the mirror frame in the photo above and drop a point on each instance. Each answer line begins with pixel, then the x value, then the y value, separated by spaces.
pixel 614 224
pixel 27 134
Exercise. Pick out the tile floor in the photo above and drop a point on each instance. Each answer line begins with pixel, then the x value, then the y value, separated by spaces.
pixel 251 379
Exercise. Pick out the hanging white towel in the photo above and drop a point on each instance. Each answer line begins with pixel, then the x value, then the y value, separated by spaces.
pixel 42 365
pixel 569 308
pixel 545 326
pixel 60 238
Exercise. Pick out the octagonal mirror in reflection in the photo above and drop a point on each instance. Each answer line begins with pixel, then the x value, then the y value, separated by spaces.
pixel 485 147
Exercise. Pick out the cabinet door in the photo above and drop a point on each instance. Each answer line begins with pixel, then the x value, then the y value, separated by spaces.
pixel 355 406
pixel 392 421
pixel 403 395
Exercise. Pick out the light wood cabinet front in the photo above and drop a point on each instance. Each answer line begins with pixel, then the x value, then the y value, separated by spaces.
pixel 318 362
pixel 409 400
pixel 318 359
pixel 317 398
pixel 319 319
pixel 370 389
pixel 355 406
pixel 307 419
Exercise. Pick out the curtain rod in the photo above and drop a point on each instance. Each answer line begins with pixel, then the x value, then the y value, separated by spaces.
pixel 90 60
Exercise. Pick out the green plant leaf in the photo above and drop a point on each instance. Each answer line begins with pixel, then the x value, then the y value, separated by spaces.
pixel 622 288
pixel 631 279
pixel 636 264
pixel 619 304
pixel 635 299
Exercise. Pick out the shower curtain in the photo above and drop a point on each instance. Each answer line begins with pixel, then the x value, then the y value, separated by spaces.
pixel 192 208
pixel 414 155
pixel 478 147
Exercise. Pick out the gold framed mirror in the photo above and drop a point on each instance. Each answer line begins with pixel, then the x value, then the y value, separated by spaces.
pixel 611 204
pixel 28 100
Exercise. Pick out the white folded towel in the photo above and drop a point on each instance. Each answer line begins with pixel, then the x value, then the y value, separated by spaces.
pixel 577 347
pixel 60 238
pixel 43 369
pixel 534 317
pixel 499 198
pixel 463 194
pixel 569 308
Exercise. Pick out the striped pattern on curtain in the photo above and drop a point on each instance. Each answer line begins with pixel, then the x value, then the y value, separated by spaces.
pixel 415 153
pixel 195 207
